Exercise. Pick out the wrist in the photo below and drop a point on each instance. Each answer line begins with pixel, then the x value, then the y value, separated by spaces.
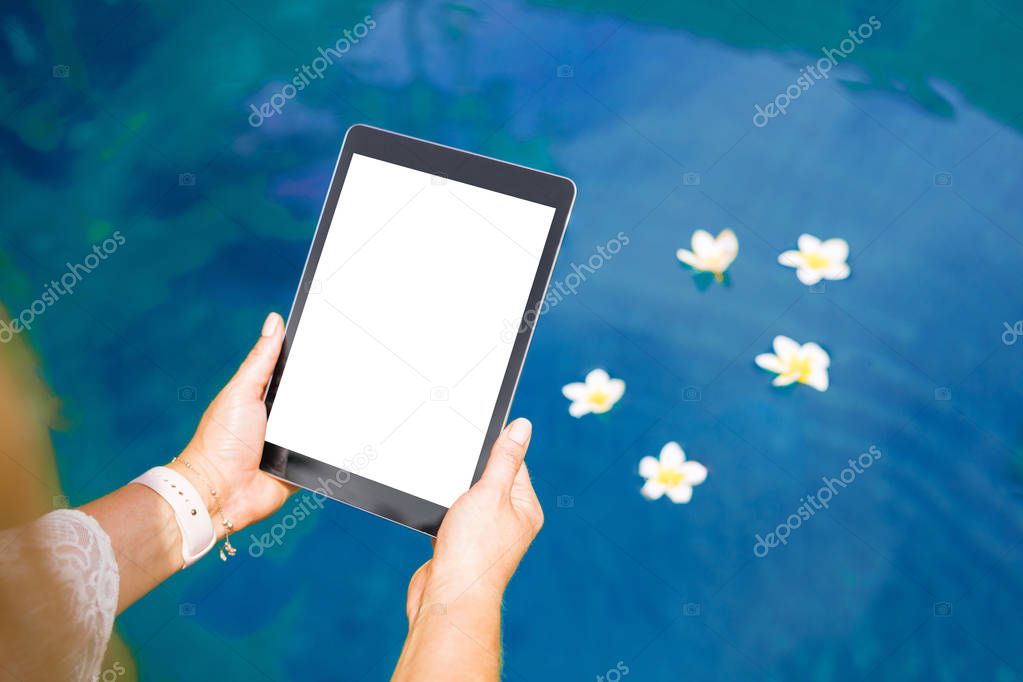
pixel 476 580
pixel 474 603
pixel 197 533
pixel 211 485
pixel 460 634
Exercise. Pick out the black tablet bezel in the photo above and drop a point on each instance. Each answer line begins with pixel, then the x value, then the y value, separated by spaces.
pixel 453 164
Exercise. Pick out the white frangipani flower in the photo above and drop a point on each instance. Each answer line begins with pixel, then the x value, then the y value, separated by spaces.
pixel 808 363
pixel 711 254
pixel 597 394
pixel 671 474
pixel 816 260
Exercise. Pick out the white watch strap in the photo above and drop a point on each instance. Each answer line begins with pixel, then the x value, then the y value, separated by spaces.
pixel 197 534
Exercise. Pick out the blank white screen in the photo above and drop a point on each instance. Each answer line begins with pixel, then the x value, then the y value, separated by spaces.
pixel 407 330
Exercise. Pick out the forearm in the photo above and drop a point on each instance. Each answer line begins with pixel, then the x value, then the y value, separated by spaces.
pixel 454 641
pixel 144 535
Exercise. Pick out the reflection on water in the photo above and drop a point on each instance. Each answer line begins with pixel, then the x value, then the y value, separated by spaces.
pixel 130 118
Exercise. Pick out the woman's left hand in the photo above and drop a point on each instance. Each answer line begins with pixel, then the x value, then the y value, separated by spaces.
pixel 228 445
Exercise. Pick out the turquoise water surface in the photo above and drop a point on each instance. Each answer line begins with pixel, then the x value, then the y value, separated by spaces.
pixel 136 118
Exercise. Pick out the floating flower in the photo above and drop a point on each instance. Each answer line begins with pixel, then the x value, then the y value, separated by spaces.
pixel 816 260
pixel 671 474
pixel 807 364
pixel 598 394
pixel 711 254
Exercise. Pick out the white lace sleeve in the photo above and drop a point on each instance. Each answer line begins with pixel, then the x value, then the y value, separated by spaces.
pixel 58 598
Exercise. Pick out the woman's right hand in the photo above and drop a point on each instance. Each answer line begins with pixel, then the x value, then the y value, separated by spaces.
pixel 485 533
pixel 454 599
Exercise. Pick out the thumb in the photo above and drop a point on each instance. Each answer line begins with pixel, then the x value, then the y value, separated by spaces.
pixel 255 371
pixel 507 455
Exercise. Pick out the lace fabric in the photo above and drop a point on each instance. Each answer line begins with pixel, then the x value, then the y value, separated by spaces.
pixel 58 598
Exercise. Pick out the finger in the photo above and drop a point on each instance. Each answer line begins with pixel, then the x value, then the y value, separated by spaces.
pixel 415 592
pixel 523 493
pixel 522 486
pixel 507 454
pixel 254 373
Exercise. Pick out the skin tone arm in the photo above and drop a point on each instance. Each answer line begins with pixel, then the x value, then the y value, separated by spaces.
pixel 454 599
pixel 226 450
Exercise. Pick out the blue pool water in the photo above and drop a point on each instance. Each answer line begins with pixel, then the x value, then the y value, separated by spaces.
pixel 134 117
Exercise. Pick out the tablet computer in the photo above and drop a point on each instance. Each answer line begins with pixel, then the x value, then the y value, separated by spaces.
pixel 410 326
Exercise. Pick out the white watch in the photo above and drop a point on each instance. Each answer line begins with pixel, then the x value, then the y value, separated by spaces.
pixel 197 533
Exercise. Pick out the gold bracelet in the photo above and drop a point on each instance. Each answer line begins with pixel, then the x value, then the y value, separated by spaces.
pixel 227 549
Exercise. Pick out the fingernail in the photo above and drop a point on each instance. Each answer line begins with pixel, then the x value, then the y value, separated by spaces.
pixel 270 326
pixel 519 431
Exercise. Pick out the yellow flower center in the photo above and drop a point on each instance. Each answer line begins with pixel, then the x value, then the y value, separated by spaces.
pixel 816 261
pixel 600 399
pixel 801 368
pixel 714 262
pixel 670 477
